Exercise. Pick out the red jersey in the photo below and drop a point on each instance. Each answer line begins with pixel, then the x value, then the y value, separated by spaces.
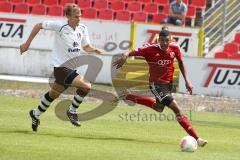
pixel 160 62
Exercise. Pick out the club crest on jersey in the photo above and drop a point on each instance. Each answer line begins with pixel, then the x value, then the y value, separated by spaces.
pixel 75 44
pixel 172 54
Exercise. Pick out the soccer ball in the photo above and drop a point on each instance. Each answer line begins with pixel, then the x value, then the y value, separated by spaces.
pixel 188 144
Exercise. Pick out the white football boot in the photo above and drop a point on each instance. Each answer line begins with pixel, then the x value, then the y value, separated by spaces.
pixel 202 142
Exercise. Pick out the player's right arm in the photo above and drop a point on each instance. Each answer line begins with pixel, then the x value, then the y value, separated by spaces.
pixel 137 52
pixel 24 47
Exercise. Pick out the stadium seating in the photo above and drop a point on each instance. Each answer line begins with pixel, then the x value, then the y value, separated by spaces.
pixel 223 55
pixel 134 7
pixel 33 2
pixel 186 2
pixel 100 4
pixel 151 8
pixel 231 48
pixel 17 1
pixel 235 56
pixel 123 16
pixel 6 7
pixel 117 5
pixel 166 9
pixel 39 9
pixel 191 13
pixel 129 0
pixel 22 8
pixel 90 13
pixel 106 14
pixel 64 2
pixel 84 3
pixel 162 2
pixel 55 10
pixel 139 17
pixel 237 38
pixel 144 1
pixel 50 2
pixel 199 3
pixel 157 18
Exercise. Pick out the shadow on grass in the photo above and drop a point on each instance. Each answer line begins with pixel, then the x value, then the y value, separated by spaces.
pixel 103 138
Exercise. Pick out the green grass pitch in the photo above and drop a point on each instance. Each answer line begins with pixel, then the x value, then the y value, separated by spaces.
pixel 112 136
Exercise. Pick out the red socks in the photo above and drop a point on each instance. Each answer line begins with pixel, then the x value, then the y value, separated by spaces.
pixel 182 120
pixel 185 123
pixel 146 101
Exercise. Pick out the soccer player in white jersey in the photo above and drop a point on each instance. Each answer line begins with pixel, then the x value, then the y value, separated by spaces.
pixel 71 38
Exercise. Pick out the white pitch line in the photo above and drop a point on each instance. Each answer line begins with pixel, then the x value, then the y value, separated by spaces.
pixel 24 78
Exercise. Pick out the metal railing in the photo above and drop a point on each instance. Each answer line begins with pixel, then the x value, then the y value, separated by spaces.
pixel 219 21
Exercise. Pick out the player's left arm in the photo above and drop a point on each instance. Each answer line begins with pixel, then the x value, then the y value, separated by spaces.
pixel 90 49
pixel 87 47
pixel 182 68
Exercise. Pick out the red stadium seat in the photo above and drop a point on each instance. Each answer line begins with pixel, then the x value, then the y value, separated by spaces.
pixel 235 56
pixel 166 9
pixel 17 1
pixel 123 16
pixel 118 5
pixel 221 55
pixel 39 9
pixel 50 2
pixel 144 1
pixel 237 38
pixel 106 14
pixel 84 3
pixel 199 3
pixel 89 13
pixel 158 18
pixel 139 17
pixel 6 7
pixel 191 12
pixel 134 6
pixel 22 8
pixel 162 2
pixel 151 8
pixel 129 0
pixel 100 4
pixel 231 48
pixel 55 11
pixel 64 2
pixel 33 2
pixel 186 1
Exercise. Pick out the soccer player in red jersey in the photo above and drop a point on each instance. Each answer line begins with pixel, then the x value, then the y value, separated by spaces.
pixel 160 58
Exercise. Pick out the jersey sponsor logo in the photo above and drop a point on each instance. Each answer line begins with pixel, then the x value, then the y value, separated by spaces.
pixel 71 50
pixel 164 62
pixel 223 75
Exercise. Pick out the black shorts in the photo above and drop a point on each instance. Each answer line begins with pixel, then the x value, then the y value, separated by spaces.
pixel 162 93
pixel 64 75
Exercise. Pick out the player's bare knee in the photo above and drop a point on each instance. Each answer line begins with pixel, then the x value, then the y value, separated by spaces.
pixel 175 108
pixel 54 94
pixel 82 91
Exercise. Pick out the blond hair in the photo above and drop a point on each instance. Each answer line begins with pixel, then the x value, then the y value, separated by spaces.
pixel 70 8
